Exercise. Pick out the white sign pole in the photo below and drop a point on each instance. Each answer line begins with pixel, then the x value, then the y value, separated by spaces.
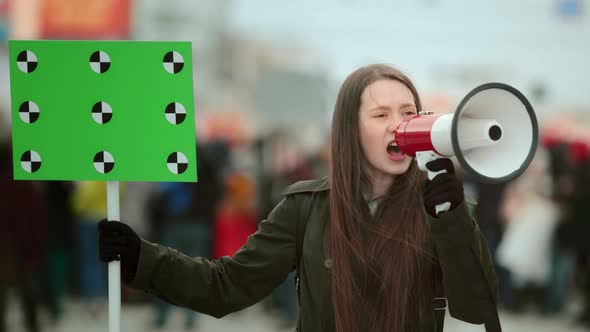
pixel 113 213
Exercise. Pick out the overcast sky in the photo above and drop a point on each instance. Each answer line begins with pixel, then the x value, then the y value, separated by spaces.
pixel 519 41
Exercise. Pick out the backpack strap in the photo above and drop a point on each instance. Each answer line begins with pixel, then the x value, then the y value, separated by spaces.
pixel 301 225
pixel 493 325
pixel 439 302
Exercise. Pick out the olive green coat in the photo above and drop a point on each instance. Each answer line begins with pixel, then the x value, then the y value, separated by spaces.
pixel 219 287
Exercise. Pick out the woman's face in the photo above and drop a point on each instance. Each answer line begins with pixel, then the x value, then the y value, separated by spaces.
pixel 384 104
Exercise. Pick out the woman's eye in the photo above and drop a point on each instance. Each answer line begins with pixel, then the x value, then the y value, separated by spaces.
pixel 409 113
pixel 381 115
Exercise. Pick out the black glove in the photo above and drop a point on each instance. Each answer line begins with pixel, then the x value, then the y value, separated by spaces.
pixel 117 241
pixel 445 187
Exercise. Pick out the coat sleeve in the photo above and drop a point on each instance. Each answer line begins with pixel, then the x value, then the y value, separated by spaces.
pixel 469 279
pixel 219 287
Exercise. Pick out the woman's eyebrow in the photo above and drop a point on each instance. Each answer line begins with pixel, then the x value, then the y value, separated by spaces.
pixel 380 107
pixel 388 108
pixel 407 105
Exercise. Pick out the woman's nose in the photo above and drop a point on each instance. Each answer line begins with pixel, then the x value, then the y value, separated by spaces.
pixel 394 122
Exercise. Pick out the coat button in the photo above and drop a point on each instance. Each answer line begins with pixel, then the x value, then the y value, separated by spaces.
pixel 328 263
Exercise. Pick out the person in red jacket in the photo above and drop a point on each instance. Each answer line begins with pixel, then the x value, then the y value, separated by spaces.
pixel 236 217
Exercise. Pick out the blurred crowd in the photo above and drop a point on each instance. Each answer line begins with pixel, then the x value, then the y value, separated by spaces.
pixel 535 226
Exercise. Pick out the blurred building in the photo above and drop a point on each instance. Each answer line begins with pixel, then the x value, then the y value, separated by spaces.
pixel 204 23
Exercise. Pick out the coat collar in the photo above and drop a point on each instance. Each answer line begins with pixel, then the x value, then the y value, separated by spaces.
pixel 322 184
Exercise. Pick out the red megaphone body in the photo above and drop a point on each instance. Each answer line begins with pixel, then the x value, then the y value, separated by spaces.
pixel 413 134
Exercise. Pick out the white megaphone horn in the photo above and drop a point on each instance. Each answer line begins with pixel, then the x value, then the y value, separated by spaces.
pixel 493 133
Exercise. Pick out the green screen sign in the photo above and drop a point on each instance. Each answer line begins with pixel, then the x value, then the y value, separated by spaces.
pixel 102 110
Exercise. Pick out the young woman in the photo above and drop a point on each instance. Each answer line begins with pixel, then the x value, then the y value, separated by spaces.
pixel 376 257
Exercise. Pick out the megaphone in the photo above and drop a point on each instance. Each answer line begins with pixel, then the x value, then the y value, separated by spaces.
pixel 493 134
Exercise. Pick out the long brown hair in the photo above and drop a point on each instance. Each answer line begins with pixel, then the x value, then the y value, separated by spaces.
pixel 379 275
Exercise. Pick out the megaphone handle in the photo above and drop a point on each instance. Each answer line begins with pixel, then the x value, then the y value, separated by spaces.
pixel 422 158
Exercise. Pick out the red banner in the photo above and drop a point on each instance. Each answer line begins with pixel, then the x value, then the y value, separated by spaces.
pixel 88 19
pixel 3 7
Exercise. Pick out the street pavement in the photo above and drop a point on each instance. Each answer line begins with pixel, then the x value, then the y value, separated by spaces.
pixel 139 317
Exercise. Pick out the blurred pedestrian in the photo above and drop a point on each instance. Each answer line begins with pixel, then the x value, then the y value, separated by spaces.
pixel 236 217
pixel 574 233
pixel 22 211
pixel 188 212
pixel 60 245
pixel 89 201
pixel 526 247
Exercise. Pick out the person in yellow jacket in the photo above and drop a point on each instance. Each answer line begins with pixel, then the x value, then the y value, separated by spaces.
pixel 89 203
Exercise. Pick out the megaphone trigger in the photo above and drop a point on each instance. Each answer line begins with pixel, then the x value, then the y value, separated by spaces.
pixel 423 158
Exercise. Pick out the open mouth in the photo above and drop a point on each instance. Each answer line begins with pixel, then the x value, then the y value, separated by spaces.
pixel 392 148
pixel 394 152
